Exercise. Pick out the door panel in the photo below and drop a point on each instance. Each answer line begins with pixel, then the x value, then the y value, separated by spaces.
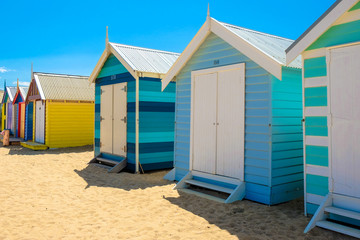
pixel 120 113
pixel 106 123
pixel 345 112
pixel 204 120
pixel 230 129
pixel 22 120
pixel 40 122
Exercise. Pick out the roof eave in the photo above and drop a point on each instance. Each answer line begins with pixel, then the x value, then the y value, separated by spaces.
pixel 323 23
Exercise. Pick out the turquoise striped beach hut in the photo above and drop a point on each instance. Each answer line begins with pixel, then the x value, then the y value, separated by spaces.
pixel 134 119
pixel 330 49
pixel 238 115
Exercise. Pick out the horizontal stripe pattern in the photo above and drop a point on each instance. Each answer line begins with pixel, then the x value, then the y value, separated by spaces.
pixel 316 126
pixel 152 106
pixel 151 147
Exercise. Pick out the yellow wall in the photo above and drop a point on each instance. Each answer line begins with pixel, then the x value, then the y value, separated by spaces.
pixel 3 117
pixel 69 124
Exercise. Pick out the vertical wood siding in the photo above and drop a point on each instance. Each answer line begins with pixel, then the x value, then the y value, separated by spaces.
pixel 315 97
pixel 69 124
pixel 29 121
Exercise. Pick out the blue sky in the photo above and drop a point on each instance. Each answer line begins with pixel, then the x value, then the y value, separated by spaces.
pixel 69 36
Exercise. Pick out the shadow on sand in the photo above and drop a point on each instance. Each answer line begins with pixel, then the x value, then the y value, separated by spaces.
pixel 20 150
pixel 99 177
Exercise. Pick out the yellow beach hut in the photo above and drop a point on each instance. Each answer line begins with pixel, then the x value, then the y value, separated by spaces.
pixel 61 112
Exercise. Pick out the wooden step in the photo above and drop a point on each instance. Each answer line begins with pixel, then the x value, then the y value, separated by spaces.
pixel 209 186
pixel 107 161
pixel 339 228
pixel 203 195
pixel 101 165
pixel 343 212
pixel 119 166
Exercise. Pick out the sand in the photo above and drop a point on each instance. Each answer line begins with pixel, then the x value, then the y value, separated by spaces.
pixel 54 194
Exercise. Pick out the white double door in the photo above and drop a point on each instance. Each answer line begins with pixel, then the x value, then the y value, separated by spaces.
pixel 113 111
pixel 40 121
pixel 344 130
pixel 217 118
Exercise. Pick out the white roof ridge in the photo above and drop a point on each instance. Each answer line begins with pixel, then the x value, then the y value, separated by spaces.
pixel 144 49
pixel 60 75
pixel 257 32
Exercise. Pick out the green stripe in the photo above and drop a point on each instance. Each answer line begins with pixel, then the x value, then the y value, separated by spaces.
pixel 337 35
pixel 317 155
pixel 355 7
pixel 318 185
pixel 315 67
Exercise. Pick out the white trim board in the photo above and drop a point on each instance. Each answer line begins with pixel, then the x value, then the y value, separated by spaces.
pixel 318 28
pixel 267 62
pixel 37 81
pixel 317 141
pixel 317 170
pixel 316 82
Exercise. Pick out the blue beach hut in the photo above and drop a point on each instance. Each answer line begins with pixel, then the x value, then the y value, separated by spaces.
pixel 330 49
pixel 238 115
pixel 134 119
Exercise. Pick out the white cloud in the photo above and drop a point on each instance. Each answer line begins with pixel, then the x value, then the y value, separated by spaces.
pixel 23 84
pixel 4 69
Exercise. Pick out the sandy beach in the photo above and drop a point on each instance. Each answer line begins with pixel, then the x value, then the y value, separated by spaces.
pixel 55 194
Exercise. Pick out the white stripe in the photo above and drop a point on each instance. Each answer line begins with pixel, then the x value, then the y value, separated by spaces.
pixel 316 82
pixel 316 141
pixel 39 87
pixel 348 17
pixel 316 111
pixel 317 170
pixel 314 199
pixel 321 52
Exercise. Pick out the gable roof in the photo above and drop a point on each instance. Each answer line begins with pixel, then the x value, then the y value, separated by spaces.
pixel 2 93
pixel 23 92
pixel 64 87
pixel 322 24
pixel 265 49
pixel 10 91
pixel 148 62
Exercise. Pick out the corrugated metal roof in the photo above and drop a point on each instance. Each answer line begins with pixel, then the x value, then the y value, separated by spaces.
pixel 24 91
pixel 146 60
pixel 1 95
pixel 65 87
pixel 11 92
pixel 271 45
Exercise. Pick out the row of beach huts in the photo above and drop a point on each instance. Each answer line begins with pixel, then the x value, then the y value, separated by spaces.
pixel 248 114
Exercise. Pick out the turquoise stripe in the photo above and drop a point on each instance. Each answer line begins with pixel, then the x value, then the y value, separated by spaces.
pixel 337 35
pixel 311 208
pixel 318 185
pixel 316 97
pixel 316 126
pixel 112 66
pixel 156 157
pixel 317 155
pixel 355 7
pixel 315 67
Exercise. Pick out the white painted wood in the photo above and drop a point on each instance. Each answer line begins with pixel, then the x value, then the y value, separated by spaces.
pixel 119 121
pixel 39 87
pixel 209 186
pixel 348 17
pixel 238 194
pixel 343 212
pixel 339 228
pixel 216 177
pixel 345 112
pixel 316 141
pixel 314 199
pixel 319 29
pixel 182 183
pixel 319 214
pixel 106 123
pixel 203 195
pixel 190 49
pixel 40 122
pixel 204 121
pixel 303 133
pixel 346 202
pixel 315 111
pixel 316 82
pixel 231 123
pixel 99 64
pixel 317 170
pixel 320 52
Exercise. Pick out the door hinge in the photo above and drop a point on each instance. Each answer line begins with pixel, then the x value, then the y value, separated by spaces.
pixel 101 91
pixel 101 118
pixel 100 144
pixel 124 148
pixel 124 119
pixel 124 89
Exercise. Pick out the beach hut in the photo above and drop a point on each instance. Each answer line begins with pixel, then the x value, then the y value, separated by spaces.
pixel 61 112
pixel 134 119
pixel 2 110
pixel 19 105
pixel 238 116
pixel 7 113
pixel 330 49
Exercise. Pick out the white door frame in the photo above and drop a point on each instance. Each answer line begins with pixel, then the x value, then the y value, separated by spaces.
pixel 200 72
pixel 329 116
